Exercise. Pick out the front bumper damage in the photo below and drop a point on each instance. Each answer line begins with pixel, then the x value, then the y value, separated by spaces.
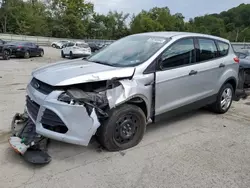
pixel 72 115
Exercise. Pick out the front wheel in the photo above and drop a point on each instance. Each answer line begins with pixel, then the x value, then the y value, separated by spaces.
pixel 53 45
pixel 123 129
pixel 224 99
pixel 41 53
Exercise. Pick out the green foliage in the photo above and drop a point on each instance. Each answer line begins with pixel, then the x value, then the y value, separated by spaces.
pixel 77 19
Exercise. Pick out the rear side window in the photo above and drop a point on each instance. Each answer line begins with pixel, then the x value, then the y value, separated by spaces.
pixel 82 45
pixel 70 44
pixel 180 53
pixel 223 48
pixel 208 49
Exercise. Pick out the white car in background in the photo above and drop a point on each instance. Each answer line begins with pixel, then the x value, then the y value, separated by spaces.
pixel 59 44
pixel 76 49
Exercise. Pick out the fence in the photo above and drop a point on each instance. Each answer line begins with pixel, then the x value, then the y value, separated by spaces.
pixel 44 41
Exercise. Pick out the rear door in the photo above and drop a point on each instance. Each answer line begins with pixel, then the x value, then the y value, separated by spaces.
pixel 68 48
pixel 32 48
pixel 210 66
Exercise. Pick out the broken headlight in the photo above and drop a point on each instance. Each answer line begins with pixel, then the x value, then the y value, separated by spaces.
pixel 64 97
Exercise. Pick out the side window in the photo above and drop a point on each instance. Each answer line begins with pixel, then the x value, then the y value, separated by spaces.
pixel 71 44
pixel 223 48
pixel 180 53
pixel 208 49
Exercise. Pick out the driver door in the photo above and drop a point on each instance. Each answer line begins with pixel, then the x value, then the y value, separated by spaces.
pixel 177 83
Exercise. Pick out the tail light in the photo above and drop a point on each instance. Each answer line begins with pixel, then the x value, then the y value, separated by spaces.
pixel 19 46
pixel 236 60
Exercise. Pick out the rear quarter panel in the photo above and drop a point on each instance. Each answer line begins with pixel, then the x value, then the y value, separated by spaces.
pixel 230 71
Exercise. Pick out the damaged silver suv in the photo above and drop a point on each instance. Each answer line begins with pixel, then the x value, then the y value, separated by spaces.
pixel 138 79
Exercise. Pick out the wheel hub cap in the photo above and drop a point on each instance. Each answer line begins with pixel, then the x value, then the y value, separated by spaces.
pixel 226 98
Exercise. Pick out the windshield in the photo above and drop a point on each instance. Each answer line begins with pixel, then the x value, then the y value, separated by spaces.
pixel 129 51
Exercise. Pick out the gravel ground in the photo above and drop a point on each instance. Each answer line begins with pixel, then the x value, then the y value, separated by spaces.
pixel 198 149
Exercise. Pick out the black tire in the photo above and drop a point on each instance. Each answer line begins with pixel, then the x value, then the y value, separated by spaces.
pixel 53 45
pixel 41 53
pixel 71 55
pixel 217 106
pixel 62 54
pixel 6 54
pixel 123 129
pixel 27 55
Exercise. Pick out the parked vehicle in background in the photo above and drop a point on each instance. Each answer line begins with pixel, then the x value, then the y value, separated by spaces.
pixel 64 45
pixel 5 51
pixel 138 79
pixel 94 46
pixel 59 44
pixel 76 49
pixel 2 42
pixel 245 66
pixel 24 49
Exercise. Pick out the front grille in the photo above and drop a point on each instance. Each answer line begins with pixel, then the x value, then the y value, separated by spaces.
pixel 41 86
pixel 51 121
pixel 32 108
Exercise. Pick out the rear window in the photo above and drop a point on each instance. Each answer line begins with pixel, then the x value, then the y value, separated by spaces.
pixel 223 48
pixel 208 49
pixel 82 45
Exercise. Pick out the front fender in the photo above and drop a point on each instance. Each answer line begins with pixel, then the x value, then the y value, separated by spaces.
pixel 128 90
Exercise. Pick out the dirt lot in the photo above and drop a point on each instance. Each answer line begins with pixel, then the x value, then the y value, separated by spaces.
pixel 198 149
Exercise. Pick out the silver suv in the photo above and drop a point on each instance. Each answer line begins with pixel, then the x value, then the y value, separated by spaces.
pixel 141 78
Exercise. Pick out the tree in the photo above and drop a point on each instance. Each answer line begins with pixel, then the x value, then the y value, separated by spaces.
pixel 157 19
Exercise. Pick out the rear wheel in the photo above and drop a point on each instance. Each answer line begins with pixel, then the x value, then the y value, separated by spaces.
pixel 27 54
pixel 71 55
pixel 6 54
pixel 62 54
pixel 123 129
pixel 53 45
pixel 224 99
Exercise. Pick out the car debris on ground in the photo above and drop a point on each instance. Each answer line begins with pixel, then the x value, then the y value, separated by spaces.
pixel 26 142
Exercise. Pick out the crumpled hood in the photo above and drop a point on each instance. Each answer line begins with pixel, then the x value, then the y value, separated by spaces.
pixel 79 71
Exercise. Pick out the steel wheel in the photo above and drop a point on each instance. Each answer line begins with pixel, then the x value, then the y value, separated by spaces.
pixel 226 98
pixel 126 128
pixel 123 129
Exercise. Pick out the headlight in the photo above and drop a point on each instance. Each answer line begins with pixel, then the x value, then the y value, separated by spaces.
pixel 64 97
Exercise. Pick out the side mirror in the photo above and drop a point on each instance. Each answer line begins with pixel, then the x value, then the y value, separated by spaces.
pixel 37 46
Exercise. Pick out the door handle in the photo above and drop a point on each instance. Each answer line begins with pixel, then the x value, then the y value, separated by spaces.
pixel 193 72
pixel 222 65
